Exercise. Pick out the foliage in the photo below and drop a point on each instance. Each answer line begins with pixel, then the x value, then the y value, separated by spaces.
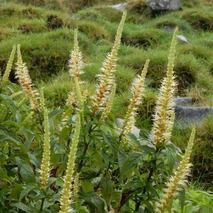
pixel 194 201
pixel 109 173
pixel 113 173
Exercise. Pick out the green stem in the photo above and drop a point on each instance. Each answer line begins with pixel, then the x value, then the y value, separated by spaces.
pixel 151 173
pixel 42 204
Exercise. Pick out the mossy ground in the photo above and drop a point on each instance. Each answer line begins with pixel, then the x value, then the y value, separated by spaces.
pixel 46 39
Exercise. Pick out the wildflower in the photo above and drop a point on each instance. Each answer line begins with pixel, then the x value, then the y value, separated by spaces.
pixel 109 104
pixel 45 163
pixel 135 101
pixel 163 118
pixel 106 78
pixel 75 69
pixel 76 187
pixel 25 81
pixel 66 197
pixel 75 62
pixel 177 180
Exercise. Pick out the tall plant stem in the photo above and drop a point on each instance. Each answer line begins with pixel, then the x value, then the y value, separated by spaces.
pixel 42 204
pixel 85 147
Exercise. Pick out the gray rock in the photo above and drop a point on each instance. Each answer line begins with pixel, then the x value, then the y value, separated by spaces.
pixel 120 7
pixel 192 114
pixel 164 4
pixel 135 131
pixel 183 100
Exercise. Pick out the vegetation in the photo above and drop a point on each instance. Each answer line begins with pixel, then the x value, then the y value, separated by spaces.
pixel 68 127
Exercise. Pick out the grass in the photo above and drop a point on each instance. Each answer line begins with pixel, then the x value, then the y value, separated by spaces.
pixel 39 26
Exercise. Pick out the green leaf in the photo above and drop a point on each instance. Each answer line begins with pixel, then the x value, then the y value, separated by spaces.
pixel 26 170
pixel 107 189
pixel 95 203
pixel 22 206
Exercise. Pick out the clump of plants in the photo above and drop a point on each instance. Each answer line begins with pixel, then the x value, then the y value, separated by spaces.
pixel 76 158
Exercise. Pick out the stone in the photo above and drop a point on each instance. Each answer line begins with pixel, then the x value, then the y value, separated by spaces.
pixel 183 100
pixel 164 4
pixel 120 7
pixel 192 114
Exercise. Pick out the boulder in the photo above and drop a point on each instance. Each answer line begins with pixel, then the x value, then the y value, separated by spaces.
pixel 164 5
pixel 183 100
pixel 191 114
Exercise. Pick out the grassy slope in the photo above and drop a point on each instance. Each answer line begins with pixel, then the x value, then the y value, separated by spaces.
pixel 46 46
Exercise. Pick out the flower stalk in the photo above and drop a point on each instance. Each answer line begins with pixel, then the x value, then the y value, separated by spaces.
pixel 106 78
pixel 109 104
pixel 164 111
pixel 66 197
pixel 177 180
pixel 75 69
pixel 22 74
pixel 45 163
pixel 137 94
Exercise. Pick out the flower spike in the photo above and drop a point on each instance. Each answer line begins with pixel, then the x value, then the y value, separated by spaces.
pixel 45 163
pixel 66 197
pixel 137 93
pixel 109 104
pixel 22 74
pixel 164 112
pixel 106 78
pixel 75 69
pixel 177 180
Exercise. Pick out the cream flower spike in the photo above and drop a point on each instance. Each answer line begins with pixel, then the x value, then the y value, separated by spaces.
pixel 109 104
pixel 106 78
pixel 66 196
pixel 75 69
pixel 164 112
pixel 177 180
pixel 137 94
pixel 22 74
pixel 45 163
pixel 75 62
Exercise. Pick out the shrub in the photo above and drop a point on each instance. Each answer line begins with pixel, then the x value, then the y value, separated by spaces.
pixel 113 170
